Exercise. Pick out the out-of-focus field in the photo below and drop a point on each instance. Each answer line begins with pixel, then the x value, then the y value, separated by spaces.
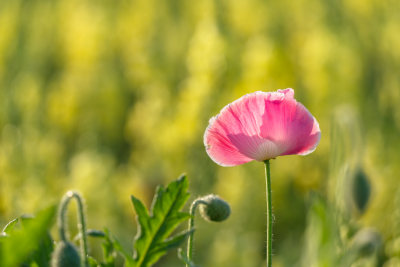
pixel 112 98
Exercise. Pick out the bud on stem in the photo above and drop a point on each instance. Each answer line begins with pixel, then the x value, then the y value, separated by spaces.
pixel 65 255
pixel 65 246
pixel 212 208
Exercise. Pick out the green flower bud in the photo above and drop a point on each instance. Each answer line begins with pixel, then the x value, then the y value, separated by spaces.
pixel 65 255
pixel 95 233
pixel 361 191
pixel 367 241
pixel 214 208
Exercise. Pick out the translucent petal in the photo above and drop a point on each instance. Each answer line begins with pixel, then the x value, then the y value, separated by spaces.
pixel 261 126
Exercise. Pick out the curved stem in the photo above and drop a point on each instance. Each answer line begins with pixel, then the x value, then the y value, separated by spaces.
pixel 62 223
pixel 193 208
pixel 269 213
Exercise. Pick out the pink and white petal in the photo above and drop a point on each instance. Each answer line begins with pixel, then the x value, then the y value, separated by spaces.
pixel 220 148
pixel 290 125
pixel 288 92
pixel 279 112
pixel 243 116
pixel 307 142
pixel 298 132
pixel 255 147
pixel 232 137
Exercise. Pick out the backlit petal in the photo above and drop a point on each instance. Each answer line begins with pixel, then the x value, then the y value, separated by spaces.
pixel 261 126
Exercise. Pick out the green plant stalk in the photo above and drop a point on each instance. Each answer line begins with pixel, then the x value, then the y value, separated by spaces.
pixel 269 212
pixel 62 223
pixel 193 208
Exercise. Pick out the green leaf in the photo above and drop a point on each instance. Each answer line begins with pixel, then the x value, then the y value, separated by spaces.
pixel 92 262
pixel 17 247
pixel 108 250
pixel 110 246
pixel 90 233
pixel 172 242
pixel 95 233
pixel 42 255
pixel 151 241
pixel 182 256
pixel 10 226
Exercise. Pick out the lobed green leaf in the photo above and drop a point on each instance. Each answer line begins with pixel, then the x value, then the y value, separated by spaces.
pixel 151 241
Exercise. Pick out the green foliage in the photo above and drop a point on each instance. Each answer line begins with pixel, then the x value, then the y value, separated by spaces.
pixel 30 243
pixel 109 252
pixel 330 243
pixel 93 263
pixel 42 255
pixel 112 244
pixel 10 226
pixel 110 247
pixel 321 236
pixel 182 256
pixel 152 240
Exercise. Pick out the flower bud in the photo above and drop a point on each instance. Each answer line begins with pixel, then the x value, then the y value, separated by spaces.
pixel 214 208
pixel 65 255
pixel 361 191
pixel 367 241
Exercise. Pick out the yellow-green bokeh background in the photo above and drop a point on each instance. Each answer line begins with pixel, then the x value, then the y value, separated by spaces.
pixel 112 97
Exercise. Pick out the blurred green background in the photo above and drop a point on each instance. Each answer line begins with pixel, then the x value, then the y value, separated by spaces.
pixel 112 98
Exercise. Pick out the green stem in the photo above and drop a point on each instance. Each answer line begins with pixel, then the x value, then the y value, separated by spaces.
pixel 193 208
pixel 62 223
pixel 269 213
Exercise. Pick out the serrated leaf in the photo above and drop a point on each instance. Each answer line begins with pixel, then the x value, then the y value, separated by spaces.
pixel 172 242
pixel 151 241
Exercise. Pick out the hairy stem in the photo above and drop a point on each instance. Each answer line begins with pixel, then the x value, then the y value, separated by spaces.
pixel 269 213
pixel 62 223
pixel 193 208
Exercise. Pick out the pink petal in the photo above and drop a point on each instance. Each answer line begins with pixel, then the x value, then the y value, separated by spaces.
pixel 261 126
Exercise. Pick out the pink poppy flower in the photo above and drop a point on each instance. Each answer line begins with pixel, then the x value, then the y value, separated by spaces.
pixel 261 126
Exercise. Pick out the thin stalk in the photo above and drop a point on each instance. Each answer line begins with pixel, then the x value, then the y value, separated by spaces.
pixel 269 213
pixel 193 208
pixel 62 223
